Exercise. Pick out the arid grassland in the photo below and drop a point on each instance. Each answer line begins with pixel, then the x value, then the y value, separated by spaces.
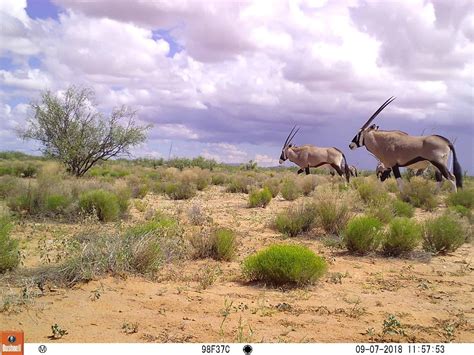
pixel 194 251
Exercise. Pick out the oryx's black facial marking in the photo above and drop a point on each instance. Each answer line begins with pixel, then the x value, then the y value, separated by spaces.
pixel 358 140
pixel 283 156
pixel 385 174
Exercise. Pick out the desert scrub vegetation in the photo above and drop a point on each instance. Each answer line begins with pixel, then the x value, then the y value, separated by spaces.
pixel 217 243
pixel 240 184
pixel 284 264
pixel 307 184
pixel 104 204
pixel 402 209
pixel 180 190
pixel 260 198
pixel 420 193
pixel 197 177
pixel 218 179
pixel 463 212
pixel 463 198
pixel 24 169
pixel 9 252
pixel 295 220
pixel 370 190
pixel 363 234
pixel 290 190
pixel 403 235
pixel 196 215
pixel 381 209
pixel 444 234
pixel 141 249
pixel 332 212
pixel 272 184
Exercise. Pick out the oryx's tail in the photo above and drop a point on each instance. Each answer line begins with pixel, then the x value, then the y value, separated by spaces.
pixel 347 172
pixel 457 170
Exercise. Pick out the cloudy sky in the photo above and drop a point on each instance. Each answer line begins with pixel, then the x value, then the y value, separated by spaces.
pixel 228 79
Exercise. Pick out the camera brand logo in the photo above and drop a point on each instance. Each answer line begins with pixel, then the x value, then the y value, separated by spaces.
pixel 12 342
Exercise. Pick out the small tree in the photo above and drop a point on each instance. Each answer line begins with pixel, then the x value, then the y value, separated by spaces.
pixel 71 129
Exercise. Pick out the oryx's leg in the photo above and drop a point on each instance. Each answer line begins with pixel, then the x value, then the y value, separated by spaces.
pixel 439 179
pixel 307 170
pixel 339 171
pixel 446 174
pixel 300 171
pixel 398 176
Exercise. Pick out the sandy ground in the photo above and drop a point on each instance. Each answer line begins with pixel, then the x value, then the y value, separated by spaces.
pixel 432 297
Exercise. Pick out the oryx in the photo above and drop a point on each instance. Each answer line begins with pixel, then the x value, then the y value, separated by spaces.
pixel 353 170
pixel 310 156
pixel 396 149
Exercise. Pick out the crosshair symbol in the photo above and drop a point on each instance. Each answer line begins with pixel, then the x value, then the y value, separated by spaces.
pixel 42 349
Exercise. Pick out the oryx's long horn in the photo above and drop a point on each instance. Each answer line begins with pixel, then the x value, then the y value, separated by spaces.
pixel 288 138
pixel 294 134
pixel 385 104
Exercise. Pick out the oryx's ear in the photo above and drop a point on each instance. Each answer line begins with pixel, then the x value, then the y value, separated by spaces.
pixel 377 127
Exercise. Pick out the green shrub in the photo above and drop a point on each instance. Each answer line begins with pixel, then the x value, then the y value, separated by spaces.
pixel 463 212
pixel 363 234
pixel 332 214
pixel 196 176
pixel 295 220
pixel 142 249
pixel 290 190
pixel 218 179
pixel 403 235
pixel 284 265
pixel 420 193
pixel 272 184
pixel 137 188
pixel 225 244
pixel 443 234
pixel 391 185
pixel 104 203
pixel 180 190
pixel 260 198
pixel 57 203
pixel 461 198
pixel 18 169
pixel 9 252
pixel 218 244
pixel 8 184
pixel 371 191
pixel 402 209
pixel 240 184
pixel 307 184
pixel 382 210
pixel 29 199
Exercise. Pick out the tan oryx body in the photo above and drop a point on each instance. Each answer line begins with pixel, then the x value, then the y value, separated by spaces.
pixel 309 156
pixel 395 149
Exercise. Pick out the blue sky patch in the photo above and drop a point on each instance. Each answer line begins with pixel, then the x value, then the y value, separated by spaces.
pixel 6 63
pixel 42 9
pixel 175 47
pixel 34 62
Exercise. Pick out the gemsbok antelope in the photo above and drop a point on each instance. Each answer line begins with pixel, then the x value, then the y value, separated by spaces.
pixel 310 156
pixel 352 170
pixel 397 149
